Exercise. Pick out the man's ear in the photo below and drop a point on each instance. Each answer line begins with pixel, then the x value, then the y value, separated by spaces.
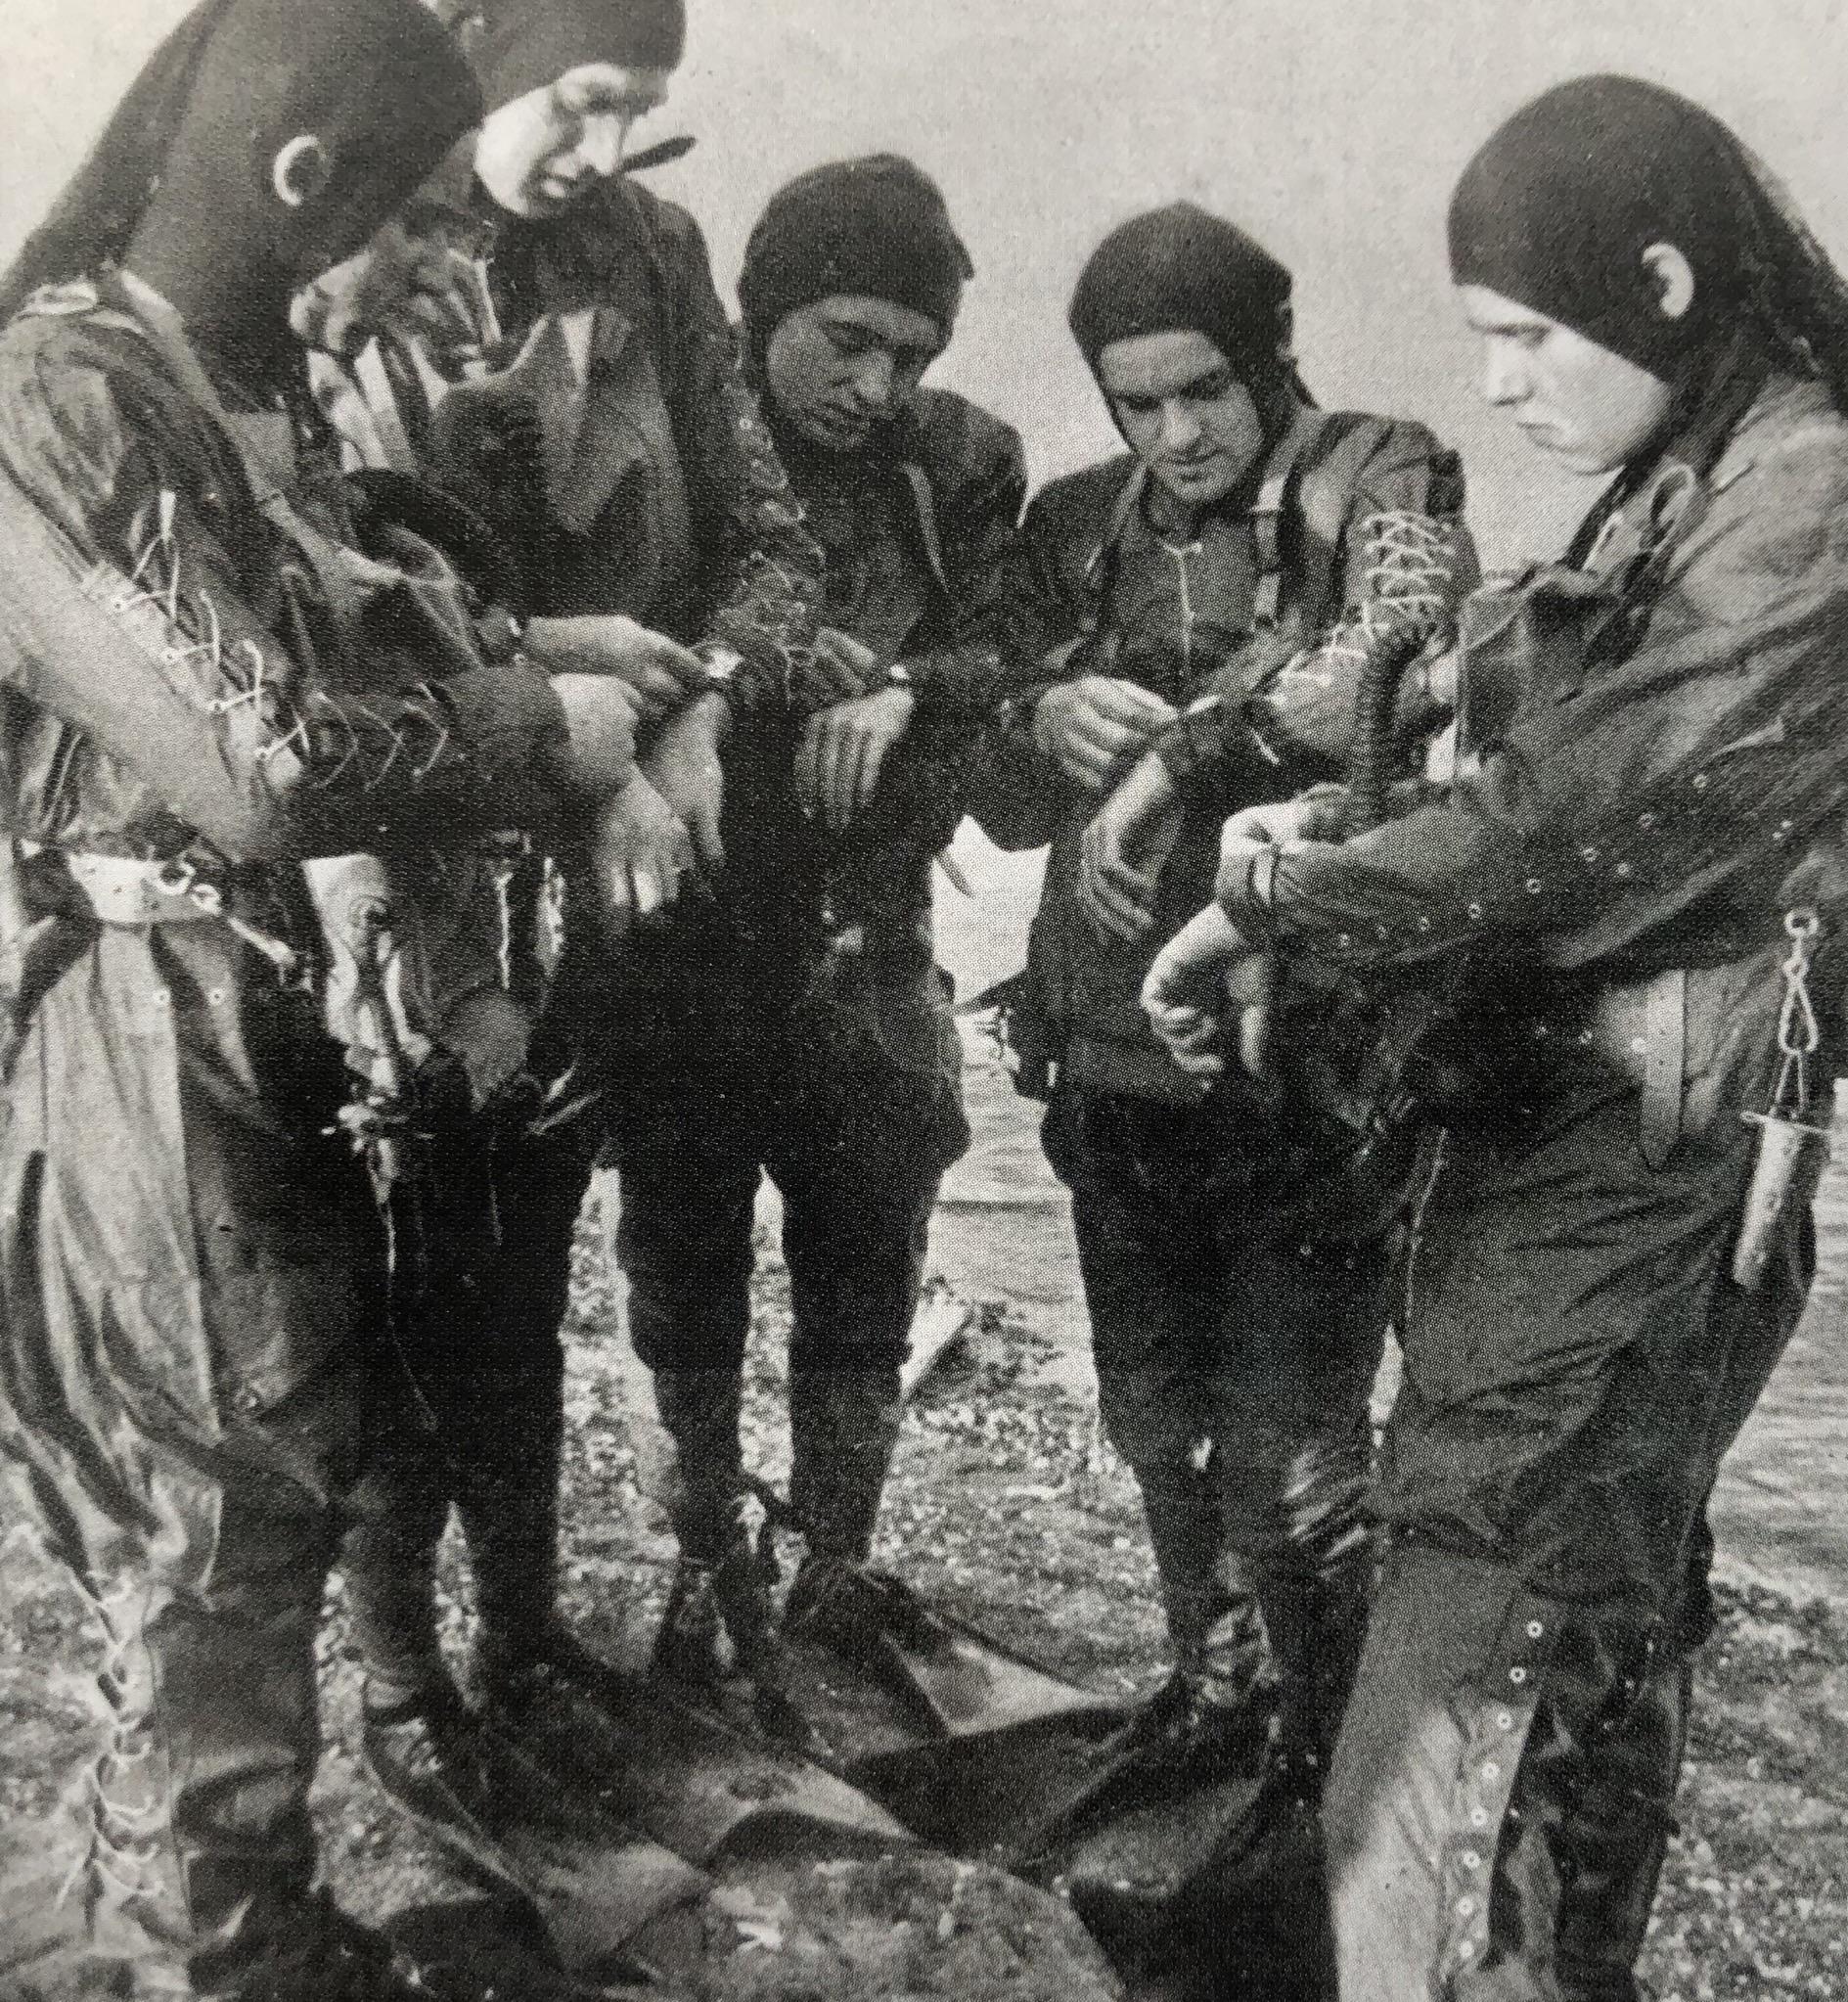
pixel 1286 332
pixel 1672 278
pixel 299 171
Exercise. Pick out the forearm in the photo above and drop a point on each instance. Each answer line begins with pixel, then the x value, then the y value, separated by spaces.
pixel 207 710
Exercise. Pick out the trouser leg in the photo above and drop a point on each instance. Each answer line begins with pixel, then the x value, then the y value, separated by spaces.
pixel 1577 1363
pixel 1302 1329
pixel 685 1243
pixel 1614 1837
pixel 470 1386
pixel 1147 1321
pixel 855 1268
pixel 509 1430
pixel 1231 1377
pixel 198 1847
pixel 858 1160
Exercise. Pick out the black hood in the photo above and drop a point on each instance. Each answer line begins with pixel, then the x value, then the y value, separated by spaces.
pixel 183 186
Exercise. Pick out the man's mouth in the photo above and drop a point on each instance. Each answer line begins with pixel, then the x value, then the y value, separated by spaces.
pixel 840 423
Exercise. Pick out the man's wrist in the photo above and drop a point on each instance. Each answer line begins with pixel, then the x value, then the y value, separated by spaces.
pixel 1248 893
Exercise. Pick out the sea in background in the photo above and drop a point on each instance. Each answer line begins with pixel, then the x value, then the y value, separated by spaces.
pixel 1003 1232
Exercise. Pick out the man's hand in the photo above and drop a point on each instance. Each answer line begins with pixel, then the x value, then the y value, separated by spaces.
pixel 598 755
pixel 659 674
pixel 843 749
pixel 1094 726
pixel 1206 971
pixel 639 855
pixel 683 767
pixel 1124 849
pixel 419 287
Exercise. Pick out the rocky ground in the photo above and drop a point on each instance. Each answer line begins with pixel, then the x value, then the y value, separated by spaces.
pixel 1006 1507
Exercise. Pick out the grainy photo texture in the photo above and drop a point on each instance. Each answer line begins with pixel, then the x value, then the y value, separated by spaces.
pixel 924 930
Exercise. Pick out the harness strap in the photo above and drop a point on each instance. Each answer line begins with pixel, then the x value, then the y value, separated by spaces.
pixel 1266 517
pixel 924 504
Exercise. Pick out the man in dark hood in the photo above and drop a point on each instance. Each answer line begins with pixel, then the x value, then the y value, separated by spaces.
pixel 1622 909
pixel 848 1095
pixel 1189 621
pixel 641 483
pixel 204 690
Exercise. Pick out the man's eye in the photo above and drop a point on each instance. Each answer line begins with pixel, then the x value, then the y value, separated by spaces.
pixel 1138 406
pixel 590 100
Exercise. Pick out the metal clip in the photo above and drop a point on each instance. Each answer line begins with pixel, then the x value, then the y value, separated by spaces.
pixel 1792 1148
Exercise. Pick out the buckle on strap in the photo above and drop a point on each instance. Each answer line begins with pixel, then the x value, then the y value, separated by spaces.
pixel 134 890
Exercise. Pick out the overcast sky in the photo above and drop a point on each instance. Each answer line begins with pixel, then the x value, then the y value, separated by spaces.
pixel 1332 129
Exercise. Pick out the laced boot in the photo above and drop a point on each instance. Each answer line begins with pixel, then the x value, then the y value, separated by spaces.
pixel 720 1618
pixel 699 1408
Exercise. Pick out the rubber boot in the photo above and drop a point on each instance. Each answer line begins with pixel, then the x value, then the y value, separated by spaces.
pixel 722 1586
pixel 843 1426
pixel 1616 1836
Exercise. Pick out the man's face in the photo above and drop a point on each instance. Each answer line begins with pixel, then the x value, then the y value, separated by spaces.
pixel 536 155
pixel 840 366
pixel 1590 408
pixel 1187 416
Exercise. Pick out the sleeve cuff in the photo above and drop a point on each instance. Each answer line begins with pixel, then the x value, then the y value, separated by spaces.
pixel 506 717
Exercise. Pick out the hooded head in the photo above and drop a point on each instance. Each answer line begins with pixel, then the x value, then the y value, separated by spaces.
pixel 1616 245
pixel 265 140
pixel 852 280
pixel 1186 323
pixel 528 45
pixel 564 81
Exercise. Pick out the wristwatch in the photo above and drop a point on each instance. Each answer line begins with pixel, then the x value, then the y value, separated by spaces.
pixel 722 662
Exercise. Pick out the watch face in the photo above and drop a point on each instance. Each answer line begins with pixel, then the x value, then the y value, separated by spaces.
pixel 722 663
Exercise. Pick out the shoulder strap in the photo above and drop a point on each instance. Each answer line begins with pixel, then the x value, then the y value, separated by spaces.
pixel 1267 514
pixel 924 505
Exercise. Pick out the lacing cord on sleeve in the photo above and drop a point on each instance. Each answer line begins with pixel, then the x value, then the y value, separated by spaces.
pixel 321 734
pixel 1410 586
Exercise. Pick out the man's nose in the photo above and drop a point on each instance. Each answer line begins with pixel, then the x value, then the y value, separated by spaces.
pixel 1179 427
pixel 874 376
pixel 1504 375
pixel 601 142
